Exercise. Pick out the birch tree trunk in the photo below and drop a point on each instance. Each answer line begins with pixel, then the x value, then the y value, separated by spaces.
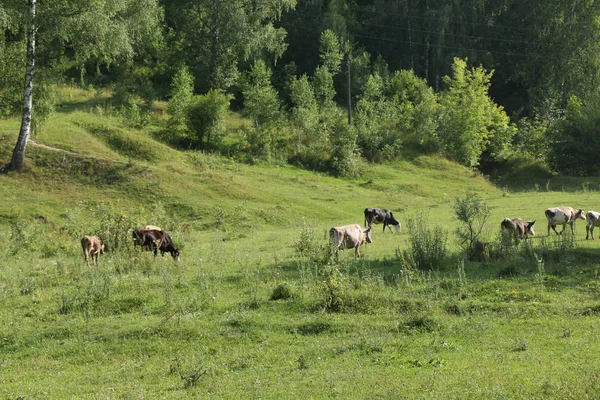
pixel 18 157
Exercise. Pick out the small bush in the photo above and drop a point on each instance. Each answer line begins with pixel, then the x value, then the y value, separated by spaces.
pixel 282 292
pixel 427 247
pixel 421 323
pixel 473 214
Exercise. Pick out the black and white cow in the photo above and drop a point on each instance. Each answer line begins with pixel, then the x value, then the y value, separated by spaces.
pixel 381 216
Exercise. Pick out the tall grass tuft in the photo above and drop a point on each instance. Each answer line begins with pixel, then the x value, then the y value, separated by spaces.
pixel 427 246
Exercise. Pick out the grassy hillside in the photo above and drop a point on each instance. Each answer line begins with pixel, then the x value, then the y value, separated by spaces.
pixel 256 309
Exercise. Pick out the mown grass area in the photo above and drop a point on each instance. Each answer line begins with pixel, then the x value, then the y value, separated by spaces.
pixel 257 308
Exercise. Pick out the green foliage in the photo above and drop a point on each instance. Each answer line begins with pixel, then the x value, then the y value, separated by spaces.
pixel 574 139
pixel 417 106
pixel 531 138
pixel 472 214
pixel 324 88
pixel 282 292
pixel 427 246
pixel 330 52
pixel 470 123
pixel 11 78
pixel 182 97
pixel 261 102
pixel 376 121
pixel 345 155
pixel 206 119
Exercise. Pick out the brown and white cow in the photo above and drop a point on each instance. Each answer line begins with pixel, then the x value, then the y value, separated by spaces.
pixel 593 220
pixel 521 227
pixel 350 236
pixel 92 246
pixel 563 216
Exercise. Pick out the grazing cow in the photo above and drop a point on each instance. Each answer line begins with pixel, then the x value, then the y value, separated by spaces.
pixel 92 246
pixel 593 220
pixel 159 240
pixel 350 236
pixel 380 215
pixel 563 216
pixel 521 227
pixel 138 234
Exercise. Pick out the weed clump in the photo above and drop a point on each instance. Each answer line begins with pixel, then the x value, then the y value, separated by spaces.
pixel 282 292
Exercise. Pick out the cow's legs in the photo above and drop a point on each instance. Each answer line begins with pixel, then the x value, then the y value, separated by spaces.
pixel 85 257
pixel 553 228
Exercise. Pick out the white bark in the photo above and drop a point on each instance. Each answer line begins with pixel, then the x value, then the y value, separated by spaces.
pixel 18 157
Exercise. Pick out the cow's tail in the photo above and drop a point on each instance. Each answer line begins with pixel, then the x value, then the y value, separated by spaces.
pixel 549 213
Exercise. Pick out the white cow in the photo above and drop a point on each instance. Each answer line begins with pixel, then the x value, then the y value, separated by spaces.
pixel 563 216
pixel 593 220
pixel 350 236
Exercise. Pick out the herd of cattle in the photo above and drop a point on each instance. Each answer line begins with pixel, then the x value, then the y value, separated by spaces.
pixel 353 236
pixel 150 237
pixel 153 238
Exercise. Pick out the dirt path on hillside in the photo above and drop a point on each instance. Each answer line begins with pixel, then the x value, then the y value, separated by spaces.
pixel 44 146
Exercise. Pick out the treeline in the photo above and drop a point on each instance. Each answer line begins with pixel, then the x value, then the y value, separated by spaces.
pixel 329 83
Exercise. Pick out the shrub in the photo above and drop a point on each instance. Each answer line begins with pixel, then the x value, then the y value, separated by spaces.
pixel 282 292
pixel 472 213
pixel 427 246
pixel 206 119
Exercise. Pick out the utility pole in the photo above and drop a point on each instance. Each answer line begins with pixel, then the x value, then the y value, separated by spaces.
pixel 349 94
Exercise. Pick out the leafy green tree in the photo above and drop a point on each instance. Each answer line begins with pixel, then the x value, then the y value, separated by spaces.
pixel 70 33
pixel 217 36
pixel 470 122
pixel 376 122
pixel 182 96
pixel 261 102
pixel 417 106
pixel 206 119
pixel 330 52
pixel 575 139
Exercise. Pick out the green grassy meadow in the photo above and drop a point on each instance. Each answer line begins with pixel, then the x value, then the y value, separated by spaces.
pixel 255 309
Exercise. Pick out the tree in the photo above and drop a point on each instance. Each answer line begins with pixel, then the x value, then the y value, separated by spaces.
pixel 470 122
pixel 261 102
pixel 206 118
pixel 219 35
pixel 182 95
pixel 18 158
pixel 106 31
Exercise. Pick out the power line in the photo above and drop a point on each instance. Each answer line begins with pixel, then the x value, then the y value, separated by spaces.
pixel 467 49
pixel 487 25
pixel 398 27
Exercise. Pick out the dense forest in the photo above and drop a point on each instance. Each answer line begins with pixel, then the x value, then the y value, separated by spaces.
pixel 325 84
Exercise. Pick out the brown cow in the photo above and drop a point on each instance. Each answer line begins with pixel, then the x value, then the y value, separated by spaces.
pixel 156 240
pixel 521 227
pixel 563 216
pixel 350 236
pixel 138 234
pixel 92 246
